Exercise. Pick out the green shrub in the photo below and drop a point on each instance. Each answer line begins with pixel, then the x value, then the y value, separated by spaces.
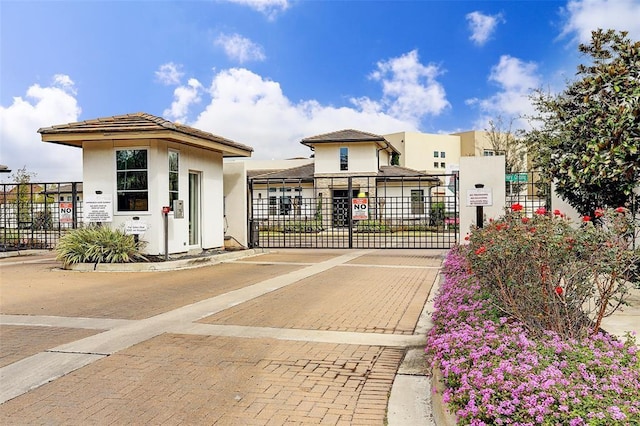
pixel 302 226
pixel 550 275
pixel 372 226
pixel 98 244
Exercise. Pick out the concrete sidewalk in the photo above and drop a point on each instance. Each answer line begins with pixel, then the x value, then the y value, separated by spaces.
pixel 298 337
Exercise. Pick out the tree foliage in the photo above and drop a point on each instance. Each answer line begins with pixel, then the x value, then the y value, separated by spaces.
pixel 589 135
pixel 503 141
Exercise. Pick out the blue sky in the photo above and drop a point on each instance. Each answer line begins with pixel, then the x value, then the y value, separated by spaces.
pixel 268 73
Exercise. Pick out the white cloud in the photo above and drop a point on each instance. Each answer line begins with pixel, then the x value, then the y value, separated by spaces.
pixel 269 8
pixel 584 16
pixel 22 145
pixel 515 79
pixel 250 109
pixel 410 90
pixel 184 97
pixel 482 26
pixel 169 74
pixel 240 48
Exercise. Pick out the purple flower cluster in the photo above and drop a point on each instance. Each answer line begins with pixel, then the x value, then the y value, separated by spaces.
pixel 496 373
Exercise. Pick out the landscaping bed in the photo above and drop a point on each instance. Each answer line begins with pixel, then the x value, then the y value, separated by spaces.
pixel 497 369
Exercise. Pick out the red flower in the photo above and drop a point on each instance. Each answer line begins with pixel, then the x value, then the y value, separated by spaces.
pixel 466 238
pixel 599 213
pixel 516 207
pixel 541 211
pixel 621 210
pixel 481 250
pixel 559 291
pixel 557 212
pixel 525 219
pixel 532 230
pixel 586 218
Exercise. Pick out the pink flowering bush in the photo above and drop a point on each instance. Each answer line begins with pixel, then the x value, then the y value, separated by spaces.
pixel 498 373
pixel 552 276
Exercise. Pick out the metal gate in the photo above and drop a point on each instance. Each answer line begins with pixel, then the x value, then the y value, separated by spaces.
pixel 35 215
pixel 354 212
pixel 529 189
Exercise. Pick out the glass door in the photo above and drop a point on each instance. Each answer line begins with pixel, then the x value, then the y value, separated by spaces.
pixel 194 208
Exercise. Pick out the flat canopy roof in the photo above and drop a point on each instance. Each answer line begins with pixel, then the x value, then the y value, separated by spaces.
pixel 140 125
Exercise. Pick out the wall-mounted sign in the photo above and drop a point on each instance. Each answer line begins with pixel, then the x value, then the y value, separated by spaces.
pixel 135 227
pixel 66 212
pixel 479 197
pixel 360 209
pixel 98 208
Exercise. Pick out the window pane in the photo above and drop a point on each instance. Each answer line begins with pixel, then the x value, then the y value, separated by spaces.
pixel 173 181
pixel 173 161
pixel 442 154
pixel 132 201
pixel 132 180
pixel 131 159
pixel 344 158
pixel 417 201
pixel 435 164
pixel 435 154
pixel 443 165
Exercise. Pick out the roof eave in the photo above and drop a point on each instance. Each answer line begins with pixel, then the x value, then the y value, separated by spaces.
pixel 77 138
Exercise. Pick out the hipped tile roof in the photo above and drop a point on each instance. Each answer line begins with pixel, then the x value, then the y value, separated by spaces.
pixel 347 135
pixel 136 123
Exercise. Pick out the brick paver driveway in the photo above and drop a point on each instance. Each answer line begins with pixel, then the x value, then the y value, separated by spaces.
pixel 287 337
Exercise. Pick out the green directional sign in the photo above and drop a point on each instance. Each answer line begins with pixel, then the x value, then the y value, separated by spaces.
pixel 517 177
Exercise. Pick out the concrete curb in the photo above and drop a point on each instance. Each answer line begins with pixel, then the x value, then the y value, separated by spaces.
pixel 170 265
pixel 6 254
pixel 410 400
pixel 441 414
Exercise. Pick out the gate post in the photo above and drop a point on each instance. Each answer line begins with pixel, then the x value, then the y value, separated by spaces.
pixel 74 205
pixel 349 213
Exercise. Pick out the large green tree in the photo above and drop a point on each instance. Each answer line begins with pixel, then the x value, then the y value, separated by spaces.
pixel 587 138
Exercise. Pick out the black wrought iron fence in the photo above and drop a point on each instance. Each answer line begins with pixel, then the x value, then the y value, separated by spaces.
pixel 355 212
pixel 529 189
pixel 35 215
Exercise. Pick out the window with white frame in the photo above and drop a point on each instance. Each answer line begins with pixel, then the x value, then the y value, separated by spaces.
pixel 132 180
pixel 435 164
pixel 435 154
pixel 174 177
pixel 442 154
pixel 344 158
pixel 417 201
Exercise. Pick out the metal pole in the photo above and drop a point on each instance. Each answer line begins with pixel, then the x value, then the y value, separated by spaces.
pixel 479 211
pixel 166 235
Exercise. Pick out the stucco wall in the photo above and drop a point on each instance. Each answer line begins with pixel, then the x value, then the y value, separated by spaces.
pixel 235 201
pixel 481 170
pixel 362 158
pixel 418 150
pixel 99 174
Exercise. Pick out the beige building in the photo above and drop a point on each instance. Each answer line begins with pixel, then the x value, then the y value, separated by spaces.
pixel 430 153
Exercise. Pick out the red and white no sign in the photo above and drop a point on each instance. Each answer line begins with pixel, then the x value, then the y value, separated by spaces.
pixel 66 212
pixel 360 209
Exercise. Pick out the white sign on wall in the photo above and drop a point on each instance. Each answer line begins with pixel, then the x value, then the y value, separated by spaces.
pixel 98 208
pixel 479 197
pixel 135 227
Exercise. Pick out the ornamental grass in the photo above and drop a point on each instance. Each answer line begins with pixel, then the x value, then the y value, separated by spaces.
pixel 500 370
